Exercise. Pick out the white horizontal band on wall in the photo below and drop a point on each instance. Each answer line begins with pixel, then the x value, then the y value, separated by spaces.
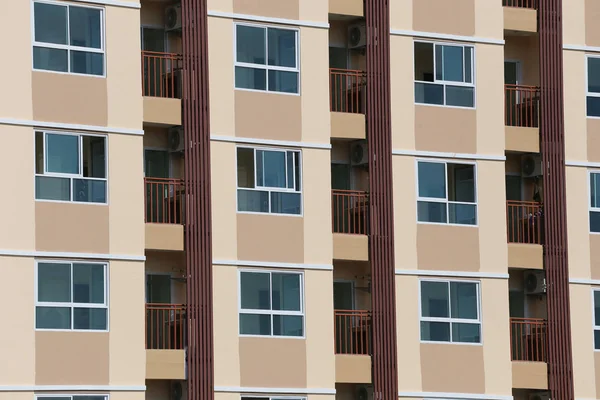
pixel 444 395
pixel 72 388
pixel 60 254
pixel 270 390
pixel 267 142
pixel 440 154
pixel 454 274
pixel 576 281
pixel 584 164
pixel 269 264
pixel 116 3
pixel 443 36
pixel 260 18
pixel 577 47
pixel 70 127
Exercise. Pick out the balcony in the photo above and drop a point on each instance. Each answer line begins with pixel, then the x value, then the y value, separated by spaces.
pixel 520 15
pixel 350 212
pixel 529 352
pixel 347 103
pixel 164 204
pixel 161 87
pixel 525 234
pixel 166 341
pixel 353 346
pixel 522 112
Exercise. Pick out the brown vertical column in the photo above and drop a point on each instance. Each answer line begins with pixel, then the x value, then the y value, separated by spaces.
pixel 197 201
pixel 552 133
pixel 381 210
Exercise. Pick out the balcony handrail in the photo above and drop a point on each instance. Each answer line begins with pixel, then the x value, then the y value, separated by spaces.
pixel 350 212
pixel 529 339
pixel 162 54
pixel 166 326
pixel 164 200
pixel 159 70
pixel 522 105
pixel 346 90
pixel 524 222
pixel 353 332
pixel 529 4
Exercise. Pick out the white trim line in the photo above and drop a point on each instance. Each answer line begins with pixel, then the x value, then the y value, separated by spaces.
pixel 268 142
pixel 445 395
pixel 579 281
pixel 116 3
pixel 60 254
pixel 73 388
pixel 577 47
pixel 69 127
pixel 443 36
pixel 246 389
pixel 439 154
pixel 259 18
pixel 585 164
pixel 454 274
pixel 269 264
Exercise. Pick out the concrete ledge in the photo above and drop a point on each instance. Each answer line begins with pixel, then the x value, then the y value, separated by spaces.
pixel 350 247
pixel 165 364
pixel 352 368
pixel 162 111
pixel 528 256
pixel 346 7
pixel 520 19
pixel 529 375
pixel 348 126
pixel 164 237
pixel 526 140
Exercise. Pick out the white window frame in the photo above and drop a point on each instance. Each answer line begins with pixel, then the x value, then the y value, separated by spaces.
pixel 587 86
pixel 451 320
pixel 271 312
pixel 270 189
pixel 595 327
pixel 589 200
pixel 445 200
pixel 72 305
pixel 266 66
pixel 68 47
pixel 70 396
pixel 247 397
pixel 445 83
pixel 71 177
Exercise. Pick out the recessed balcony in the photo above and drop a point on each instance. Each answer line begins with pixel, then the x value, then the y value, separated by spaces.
pixel 522 114
pixel 353 346
pixel 350 211
pixel 166 341
pixel 161 87
pixel 164 206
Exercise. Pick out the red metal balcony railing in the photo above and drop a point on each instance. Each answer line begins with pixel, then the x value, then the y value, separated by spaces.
pixel 165 326
pixel 529 339
pixel 164 202
pixel 530 4
pixel 522 106
pixel 350 211
pixel 161 74
pixel 353 332
pixel 525 222
pixel 347 90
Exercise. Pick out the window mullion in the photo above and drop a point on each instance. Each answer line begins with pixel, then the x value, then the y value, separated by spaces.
pixel 72 300
pixel 68 39
pixel 267 62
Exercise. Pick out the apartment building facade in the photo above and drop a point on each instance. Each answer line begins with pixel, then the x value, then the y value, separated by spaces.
pixel 300 199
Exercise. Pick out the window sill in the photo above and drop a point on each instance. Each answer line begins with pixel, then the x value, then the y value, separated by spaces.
pixel 267 213
pixel 447 224
pixel 272 336
pixel 69 73
pixel 71 202
pixel 267 91
pixel 451 343
pixel 71 330
pixel 445 106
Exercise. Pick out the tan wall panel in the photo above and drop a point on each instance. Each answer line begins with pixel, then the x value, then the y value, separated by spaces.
pixel 221 5
pixel 72 99
pixel 575 105
pixel 401 15
pixel 593 142
pixel 488 19
pixel 573 17
pixel 17 206
pixel 164 237
pixel 127 324
pixel 405 212
pixel 592 30
pixel 432 16
pixel 165 364
pixel 18 338
pixel 577 182
pixel 221 73
pixel 350 247
pixel 63 358
pixel 271 116
pixel 163 111
pixel 314 10
pixel 447 129
pixel 126 193
pixel 530 375
pixel 264 237
pixel 408 332
pixel 453 368
pixel 594 256
pixel 16 396
pixel 71 227
pixel 348 126
pixel 346 7
pixel 529 256
pixel 127 396
pixel 582 342
pixel 268 8
pixel 282 362
pixel 403 93
pixel 525 50
pixel 520 19
pixel 352 369
pixel 224 194
pixel 457 247
pixel 521 139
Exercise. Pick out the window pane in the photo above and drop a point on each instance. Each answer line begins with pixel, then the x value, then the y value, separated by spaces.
pixel 53 317
pixel 463 300
pixel 89 191
pixel 250 44
pixel 439 63
pixel 595 190
pixel 594 221
pixel 434 299
pixel 94 156
pixel 460 96
pixel 54 282
pixel 274 168
pixel 253 201
pixel 432 180
pixel 88 283
pixel 50 23
pixel 50 188
pixel 593 75
pixel 282 47
pixel 597 308
pixel 435 331
pixel 429 93
pixel 287 325
pixel 468 61
pixel 283 81
pixel 50 59
pixel 597 339
pixel 428 211
pixel 62 154
pixel 424 62
pixel 290 169
pixel 83 62
pixel 245 167
pixel 593 106
pixel 286 292
pixel 453 63
pixel 39 152
pixel 80 397
pixel 466 333
pixel 297 176
pixel 85 27
pixel 464 214
pixel 286 203
pixel 255 324
pixel 255 291
pixel 260 177
pixel 89 318
pixel 461 182
pixel 250 78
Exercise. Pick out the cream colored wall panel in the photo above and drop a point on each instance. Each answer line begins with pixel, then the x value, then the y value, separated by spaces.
pixel 489 75
pixel 491 208
pixel 582 339
pixel 224 198
pixel 127 396
pixel 402 92
pixel 314 11
pixel 17 396
pixel 318 299
pixel 220 5
pixel 573 17
pixel 316 198
pixel 17 340
pixel 405 212
pixel 578 220
pixel 408 332
pixel 401 14
pixel 17 206
pixel 127 324
pixel 314 80
pixel 575 105
pixel 221 74
pixel 489 19
pixel 125 194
